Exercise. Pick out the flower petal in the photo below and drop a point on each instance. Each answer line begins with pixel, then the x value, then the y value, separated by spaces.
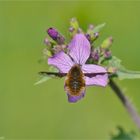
pixel 100 80
pixel 74 99
pixel 79 49
pixel 91 68
pixel 62 61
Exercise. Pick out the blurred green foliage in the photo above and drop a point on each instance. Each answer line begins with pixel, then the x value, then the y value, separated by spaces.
pixel 122 135
pixel 42 112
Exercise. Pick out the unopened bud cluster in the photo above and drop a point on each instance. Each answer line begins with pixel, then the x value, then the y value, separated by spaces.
pixel 55 42
pixel 101 53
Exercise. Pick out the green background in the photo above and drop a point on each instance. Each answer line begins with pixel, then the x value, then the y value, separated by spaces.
pixel 42 112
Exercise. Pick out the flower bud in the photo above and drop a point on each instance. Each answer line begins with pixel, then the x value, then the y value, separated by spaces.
pixel 74 27
pixel 95 55
pixel 107 43
pixel 71 29
pixel 60 39
pixel 96 34
pixel 88 36
pixel 47 53
pixel 58 48
pixel 55 35
pixel 107 54
pixel 91 35
pixel 47 42
pixel 74 23
pixel 91 27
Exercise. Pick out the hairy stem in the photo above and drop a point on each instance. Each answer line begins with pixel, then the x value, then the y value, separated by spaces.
pixel 126 102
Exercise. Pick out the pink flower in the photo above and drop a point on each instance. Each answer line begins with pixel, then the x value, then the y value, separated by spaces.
pixel 79 51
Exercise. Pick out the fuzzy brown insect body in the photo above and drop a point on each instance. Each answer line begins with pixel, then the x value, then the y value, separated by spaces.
pixel 75 83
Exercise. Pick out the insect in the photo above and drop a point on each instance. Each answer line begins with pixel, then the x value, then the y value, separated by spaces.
pixel 75 79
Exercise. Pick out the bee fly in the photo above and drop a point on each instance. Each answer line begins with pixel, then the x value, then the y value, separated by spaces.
pixel 75 80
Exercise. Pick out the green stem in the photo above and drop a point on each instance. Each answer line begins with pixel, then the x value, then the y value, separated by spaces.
pixel 126 102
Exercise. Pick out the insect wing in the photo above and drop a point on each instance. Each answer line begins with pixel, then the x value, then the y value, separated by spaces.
pixel 90 75
pixel 52 74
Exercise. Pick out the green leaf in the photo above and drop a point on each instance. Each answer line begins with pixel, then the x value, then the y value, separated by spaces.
pixel 45 77
pixel 42 80
pixel 127 74
pixel 123 135
pixel 98 28
pixel 115 62
pixel 121 71
pixel 53 69
pixel 47 52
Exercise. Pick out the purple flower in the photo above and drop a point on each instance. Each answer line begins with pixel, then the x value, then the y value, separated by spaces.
pixel 79 52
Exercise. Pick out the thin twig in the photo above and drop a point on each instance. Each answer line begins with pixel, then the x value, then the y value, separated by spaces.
pixel 126 102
